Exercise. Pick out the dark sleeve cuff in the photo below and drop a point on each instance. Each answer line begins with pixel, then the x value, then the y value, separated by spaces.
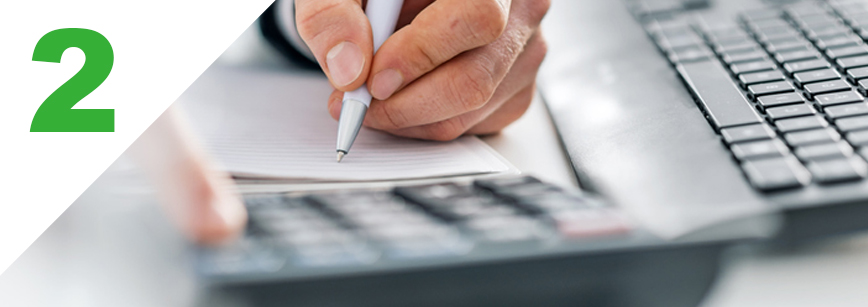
pixel 277 25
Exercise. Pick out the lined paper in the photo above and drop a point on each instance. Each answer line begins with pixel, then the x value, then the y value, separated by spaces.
pixel 266 124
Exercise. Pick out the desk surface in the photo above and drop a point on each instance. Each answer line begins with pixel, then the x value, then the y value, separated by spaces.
pixel 112 251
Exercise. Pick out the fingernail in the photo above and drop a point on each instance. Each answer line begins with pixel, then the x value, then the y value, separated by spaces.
pixel 345 63
pixel 385 83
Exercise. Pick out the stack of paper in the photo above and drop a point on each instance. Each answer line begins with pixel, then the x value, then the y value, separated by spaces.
pixel 267 124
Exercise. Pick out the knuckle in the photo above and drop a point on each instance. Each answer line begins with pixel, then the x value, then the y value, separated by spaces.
pixel 473 87
pixel 486 20
pixel 309 13
pixel 446 130
pixel 539 8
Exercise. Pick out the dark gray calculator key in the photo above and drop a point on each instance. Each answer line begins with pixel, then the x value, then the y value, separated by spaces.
pixel 852 62
pixel 770 88
pixel 838 170
pixel 747 133
pixel 744 57
pixel 852 123
pixel 793 56
pixel 780 99
pixel 794 67
pixel 759 149
pixel 816 76
pixel 720 97
pixel 835 53
pixel 795 110
pixel 761 77
pixel 838 98
pixel 846 110
pixel 826 87
pixel 838 42
pixel 858 138
pixel 838 150
pixel 857 74
pixel 750 67
pixel 826 135
pixel 776 173
pixel 801 123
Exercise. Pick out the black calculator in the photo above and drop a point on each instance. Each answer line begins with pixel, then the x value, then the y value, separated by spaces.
pixel 493 242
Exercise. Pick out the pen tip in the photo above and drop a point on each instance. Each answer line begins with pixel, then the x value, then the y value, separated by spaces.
pixel 340 156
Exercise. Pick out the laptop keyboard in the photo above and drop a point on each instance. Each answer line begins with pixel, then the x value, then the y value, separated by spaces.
pixel 784 87
pixel 363 227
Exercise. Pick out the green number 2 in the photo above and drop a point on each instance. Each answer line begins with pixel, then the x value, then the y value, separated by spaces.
pixel 56 113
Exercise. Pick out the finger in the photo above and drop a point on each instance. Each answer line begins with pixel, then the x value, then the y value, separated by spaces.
pixel 197 198
pixel 506 105
pixel 339 35
pixel 441 31
pixel 462 84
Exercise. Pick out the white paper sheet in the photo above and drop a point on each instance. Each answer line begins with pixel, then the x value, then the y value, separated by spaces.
pixel 269 124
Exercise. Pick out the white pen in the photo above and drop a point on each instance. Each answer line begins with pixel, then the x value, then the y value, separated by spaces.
pixel 383 16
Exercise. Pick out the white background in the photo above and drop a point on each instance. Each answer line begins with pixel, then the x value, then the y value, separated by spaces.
pixel 160 47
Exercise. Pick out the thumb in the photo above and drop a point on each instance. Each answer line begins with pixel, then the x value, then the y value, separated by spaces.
pixel 339 35
pixel 197 198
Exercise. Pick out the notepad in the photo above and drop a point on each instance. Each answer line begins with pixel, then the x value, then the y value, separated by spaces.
pixel 272 124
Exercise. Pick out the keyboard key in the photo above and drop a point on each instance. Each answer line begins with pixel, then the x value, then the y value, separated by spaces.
pixel 747 133
pixel 752 67
pixel 801 123
pixel 839 98
pixel 744 57
pixel 776 173
pixel 838 42
pixel 837 150
pixel 793 45
pixel 826 87
pixel 858 138
pixel 757 15
pixel 781 99
pixel 759 149
pixel 852 123
pixel 816 76
pixel 827 135
pixel 857 74
pixel 794 67
pixel 761 77
pixel 795 110
pixel 724 102
pixel 835 53
pixel 793 56
pixel 838 170
pixel 691 54
pixel 770 88
pixel 737 48
pixel 847 110
pixel 852 62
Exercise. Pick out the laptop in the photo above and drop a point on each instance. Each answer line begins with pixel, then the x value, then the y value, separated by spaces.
pixel 701 105
pixel 691 125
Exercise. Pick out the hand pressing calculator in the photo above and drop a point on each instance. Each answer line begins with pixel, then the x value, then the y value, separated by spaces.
pixel 494 242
